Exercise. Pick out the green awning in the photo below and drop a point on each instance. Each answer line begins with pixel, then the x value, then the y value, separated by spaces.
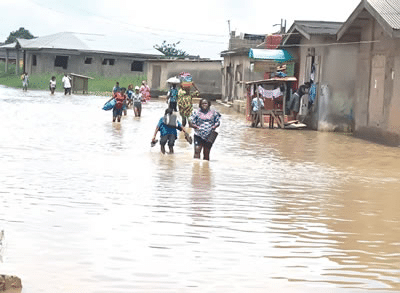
pixel 278 55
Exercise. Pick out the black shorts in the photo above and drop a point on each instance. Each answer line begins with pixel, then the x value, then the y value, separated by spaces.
pixel 117 112
pixel 172 105
pixel 137 105
pixel 170 138
pixel 198 141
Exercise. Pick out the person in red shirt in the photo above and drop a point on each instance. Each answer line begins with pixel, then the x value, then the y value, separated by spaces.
pixel 120 99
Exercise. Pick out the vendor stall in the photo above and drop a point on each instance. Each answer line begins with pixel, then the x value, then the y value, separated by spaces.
pixel 275 92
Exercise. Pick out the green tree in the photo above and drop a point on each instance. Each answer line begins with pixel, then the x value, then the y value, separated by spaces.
pixel 21 33
pixel 170 50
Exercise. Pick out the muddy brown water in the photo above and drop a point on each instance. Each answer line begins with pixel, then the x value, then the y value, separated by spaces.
pixel 88 206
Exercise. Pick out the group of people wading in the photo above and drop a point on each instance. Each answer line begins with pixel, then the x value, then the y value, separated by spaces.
pixel 204 120
pixel 124 98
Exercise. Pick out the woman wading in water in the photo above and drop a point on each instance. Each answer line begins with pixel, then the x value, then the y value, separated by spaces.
pixel 204 121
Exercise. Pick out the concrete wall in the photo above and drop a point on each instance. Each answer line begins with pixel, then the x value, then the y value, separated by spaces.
pixel 236 71
pixel 76 63
pixel 378 118
pixel 206 74
pixel 336 68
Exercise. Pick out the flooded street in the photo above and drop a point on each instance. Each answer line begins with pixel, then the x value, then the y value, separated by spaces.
pixel 88 206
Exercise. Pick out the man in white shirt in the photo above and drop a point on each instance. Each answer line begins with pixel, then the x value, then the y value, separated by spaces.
pixel 256 105
pixel 67 84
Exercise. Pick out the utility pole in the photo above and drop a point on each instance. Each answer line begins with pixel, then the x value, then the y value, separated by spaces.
pixel 282 25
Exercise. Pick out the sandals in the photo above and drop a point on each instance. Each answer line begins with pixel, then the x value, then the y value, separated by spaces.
pixel 153 142
pixel 188 138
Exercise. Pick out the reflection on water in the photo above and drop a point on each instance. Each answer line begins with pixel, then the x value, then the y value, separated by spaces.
pixel 88 206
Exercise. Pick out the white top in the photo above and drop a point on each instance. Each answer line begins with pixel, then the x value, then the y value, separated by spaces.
pixel 67 81
pixel 53 83
pixel 137 97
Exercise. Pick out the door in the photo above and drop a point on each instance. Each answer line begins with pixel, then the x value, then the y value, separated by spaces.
pixel 156 80
pixel 376 93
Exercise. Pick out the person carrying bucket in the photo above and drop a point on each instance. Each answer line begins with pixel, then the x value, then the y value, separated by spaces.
pixel 185 100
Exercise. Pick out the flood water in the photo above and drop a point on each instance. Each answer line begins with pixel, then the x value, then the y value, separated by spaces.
pixel 88 206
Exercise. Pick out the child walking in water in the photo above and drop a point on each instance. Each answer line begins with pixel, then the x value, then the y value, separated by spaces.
pixel 120 98
pixel 168 132
pixel 52 84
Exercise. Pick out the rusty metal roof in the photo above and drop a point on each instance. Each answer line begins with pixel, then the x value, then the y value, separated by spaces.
pixel 389 10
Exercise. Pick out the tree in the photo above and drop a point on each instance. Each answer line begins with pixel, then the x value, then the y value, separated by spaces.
pixel 21 33
pixel 170 50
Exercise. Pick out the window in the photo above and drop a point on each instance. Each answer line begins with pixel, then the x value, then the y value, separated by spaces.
pixel 109 61
pixel 88 60
pixel 61 61
pixel 137 66
pixel 34 60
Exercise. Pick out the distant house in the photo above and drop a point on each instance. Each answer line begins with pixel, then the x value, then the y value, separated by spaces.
pixel 83 54
pixel 375 25
pixel 206 74
pixel 247 59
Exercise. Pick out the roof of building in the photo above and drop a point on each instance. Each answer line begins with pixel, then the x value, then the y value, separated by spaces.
pixel 88 43
pixel 317 27
pixel 235 51
pixel 386 13
pixel 389 10
pixel 307 28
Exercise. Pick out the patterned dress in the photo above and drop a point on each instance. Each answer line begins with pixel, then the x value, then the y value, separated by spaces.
pixel 205 121
pixel 185 103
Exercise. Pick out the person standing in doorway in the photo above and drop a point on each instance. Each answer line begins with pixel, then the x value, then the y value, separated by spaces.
pixel 204 121
pixel 52 85
pixel 25 81
pixel 294 103
pixel 67 84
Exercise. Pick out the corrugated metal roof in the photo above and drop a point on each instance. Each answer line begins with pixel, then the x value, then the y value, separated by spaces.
pixel 89 43
pixel 318 27
pixel 278 55
pixel 9 46
pixel 389 10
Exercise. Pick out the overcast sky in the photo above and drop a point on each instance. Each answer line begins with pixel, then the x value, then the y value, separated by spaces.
pixel 200 26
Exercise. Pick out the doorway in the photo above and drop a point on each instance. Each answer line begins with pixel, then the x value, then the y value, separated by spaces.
pixel 376 93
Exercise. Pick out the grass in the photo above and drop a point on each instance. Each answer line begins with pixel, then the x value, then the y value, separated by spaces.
pixel 100 85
